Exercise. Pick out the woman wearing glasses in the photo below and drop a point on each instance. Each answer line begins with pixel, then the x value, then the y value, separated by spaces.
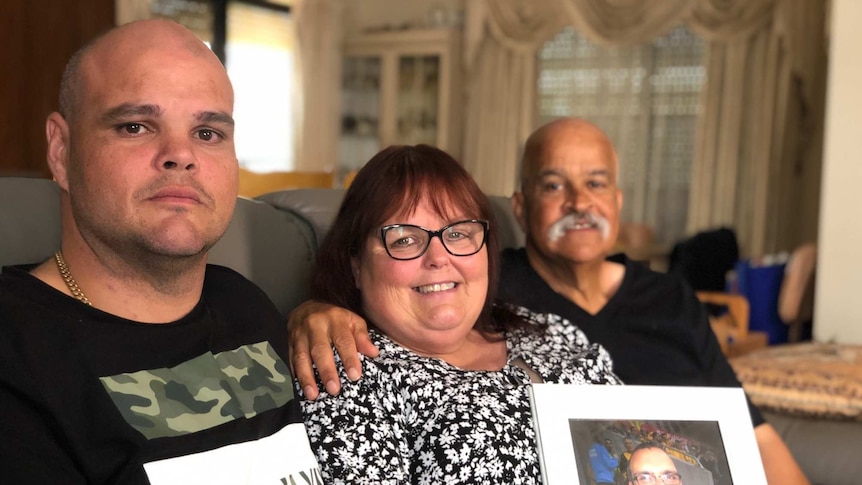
pixel 414 251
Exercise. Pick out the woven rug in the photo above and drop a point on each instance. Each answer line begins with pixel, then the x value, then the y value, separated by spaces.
pixel 808 379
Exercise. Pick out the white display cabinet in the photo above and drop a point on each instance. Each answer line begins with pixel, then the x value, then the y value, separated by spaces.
pixel 400 87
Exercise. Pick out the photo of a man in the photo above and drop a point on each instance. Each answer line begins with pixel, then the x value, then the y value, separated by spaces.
pixel 647 452
pixel 650 464
pixel 602 461
pixel 623 466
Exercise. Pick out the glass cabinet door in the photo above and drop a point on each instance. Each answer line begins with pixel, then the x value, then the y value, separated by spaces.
pixel 360 112
pixel 417 100
pixel 398 88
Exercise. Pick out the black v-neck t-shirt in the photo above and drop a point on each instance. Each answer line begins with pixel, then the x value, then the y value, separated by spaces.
pixel 654 327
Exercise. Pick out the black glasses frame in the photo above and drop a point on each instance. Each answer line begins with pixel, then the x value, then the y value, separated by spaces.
pixel 654 477
pixel 432 234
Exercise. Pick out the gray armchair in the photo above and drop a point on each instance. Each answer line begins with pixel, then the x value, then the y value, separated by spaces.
pixel 319 207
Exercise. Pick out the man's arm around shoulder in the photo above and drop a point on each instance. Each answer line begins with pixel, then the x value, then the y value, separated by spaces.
pixel 314 328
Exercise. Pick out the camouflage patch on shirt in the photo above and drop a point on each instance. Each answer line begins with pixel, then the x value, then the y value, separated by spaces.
pixel 204 392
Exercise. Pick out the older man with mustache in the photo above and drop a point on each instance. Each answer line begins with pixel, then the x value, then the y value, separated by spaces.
pixel 651 323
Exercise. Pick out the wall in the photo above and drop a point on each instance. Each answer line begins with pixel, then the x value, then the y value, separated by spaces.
pixel 838 314
pixel 38 36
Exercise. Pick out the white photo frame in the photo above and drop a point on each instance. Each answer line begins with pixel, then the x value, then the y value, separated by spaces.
pixel 718 418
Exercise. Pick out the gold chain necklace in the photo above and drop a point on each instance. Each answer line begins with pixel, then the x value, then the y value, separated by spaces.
pixel 70 282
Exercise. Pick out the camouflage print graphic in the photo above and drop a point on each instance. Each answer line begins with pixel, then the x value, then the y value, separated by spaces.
pixel 203 392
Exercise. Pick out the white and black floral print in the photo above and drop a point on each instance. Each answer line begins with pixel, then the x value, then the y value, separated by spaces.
pixel 419 420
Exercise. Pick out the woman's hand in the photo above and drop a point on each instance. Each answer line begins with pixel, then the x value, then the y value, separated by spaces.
pixel 314 327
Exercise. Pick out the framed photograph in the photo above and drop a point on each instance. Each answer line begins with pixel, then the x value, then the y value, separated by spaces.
pixel 590 435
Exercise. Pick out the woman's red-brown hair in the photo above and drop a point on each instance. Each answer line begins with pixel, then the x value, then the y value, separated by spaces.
pixel 392 184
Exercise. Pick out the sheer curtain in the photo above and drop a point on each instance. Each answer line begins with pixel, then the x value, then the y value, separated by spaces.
pixel 764 88
pixel 318 83
pixel 646 98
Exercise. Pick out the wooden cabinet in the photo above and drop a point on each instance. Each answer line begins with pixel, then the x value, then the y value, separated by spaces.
pixel 400 87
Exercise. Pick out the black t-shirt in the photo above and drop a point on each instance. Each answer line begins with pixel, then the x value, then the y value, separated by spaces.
pixel 87 397
pixel 654 327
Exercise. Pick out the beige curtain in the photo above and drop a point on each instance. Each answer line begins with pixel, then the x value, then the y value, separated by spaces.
pixel 763 66
pixel 501 85
pixel 625 22
pixel 126 11
pixel 757 168
pixel 318 74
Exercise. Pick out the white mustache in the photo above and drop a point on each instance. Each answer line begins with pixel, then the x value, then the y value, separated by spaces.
pixel 575 219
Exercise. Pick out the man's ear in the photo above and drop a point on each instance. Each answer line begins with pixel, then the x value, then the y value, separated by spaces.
pixel 57 135
pixel 518 210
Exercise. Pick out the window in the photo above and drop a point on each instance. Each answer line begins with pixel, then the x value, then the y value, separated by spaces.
pixel 254 39
pixel 259 59
pixel 646 98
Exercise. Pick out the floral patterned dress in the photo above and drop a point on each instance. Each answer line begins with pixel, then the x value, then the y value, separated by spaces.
pixel 414 419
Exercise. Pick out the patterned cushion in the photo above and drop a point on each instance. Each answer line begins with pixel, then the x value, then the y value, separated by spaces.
pixel 807 379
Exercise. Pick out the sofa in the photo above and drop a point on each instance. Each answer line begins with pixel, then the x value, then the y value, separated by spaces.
pixel 272 240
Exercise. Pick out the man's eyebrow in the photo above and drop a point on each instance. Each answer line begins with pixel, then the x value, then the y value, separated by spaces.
pixel 129 110
pixel 600 172
pixel 548 172
pixel 593 173
pixel 123 112
pixel 214 117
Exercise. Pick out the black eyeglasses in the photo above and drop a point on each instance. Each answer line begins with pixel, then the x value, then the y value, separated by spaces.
pixel 667 478
pixel 406 241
